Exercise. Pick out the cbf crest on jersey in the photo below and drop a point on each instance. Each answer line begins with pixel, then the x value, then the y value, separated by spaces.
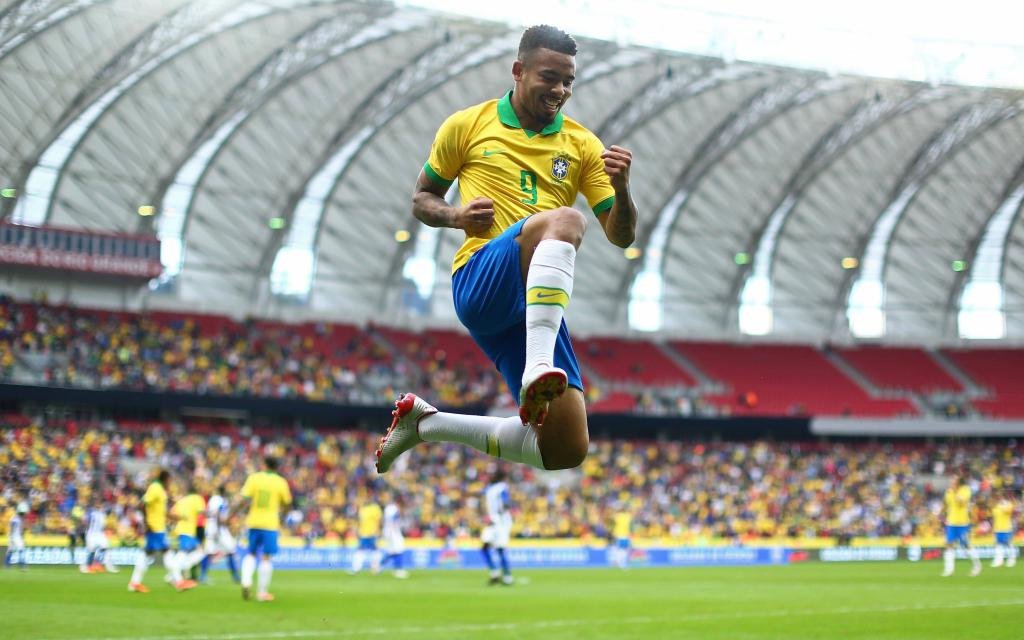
pixel 559 167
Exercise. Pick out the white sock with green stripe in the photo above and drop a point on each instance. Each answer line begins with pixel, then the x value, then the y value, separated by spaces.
pixel 548 289
pixel 505 438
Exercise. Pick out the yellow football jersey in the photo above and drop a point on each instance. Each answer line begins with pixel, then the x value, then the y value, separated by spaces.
pixel 958 506
pixel 623 523
pixel 187 512
pixel 155 506
pixel 369 520
pixel 521 171
pixel 1002 516
pixel 268 492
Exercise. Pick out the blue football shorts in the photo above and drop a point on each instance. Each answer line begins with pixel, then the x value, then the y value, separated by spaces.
pixel 368 544
pixel 958 533
pixel 187 543
pixel 490 300
pixel 262 541
pixel 156 541
pixel 1004 537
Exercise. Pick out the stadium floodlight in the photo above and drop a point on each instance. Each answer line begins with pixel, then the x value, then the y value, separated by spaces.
pixel 645 301
pixel 291 272
pixel 981 313
pixel 755 316
pixel 864 311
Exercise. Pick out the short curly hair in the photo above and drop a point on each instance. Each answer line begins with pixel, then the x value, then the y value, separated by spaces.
pixel 543 36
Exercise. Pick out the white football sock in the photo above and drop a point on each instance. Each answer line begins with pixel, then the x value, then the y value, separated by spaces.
pixel 171 561
pixel 139 572
pixel 548 289
pixel 266 569
pixel 108 561
pixel 248 568
pixel 358 558
pixel 973 554
pixel 505 438
pixel 948 558
pixel 188 560
pixel 997 558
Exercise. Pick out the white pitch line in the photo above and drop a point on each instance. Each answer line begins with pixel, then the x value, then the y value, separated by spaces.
pixel 255 635
pixel 576 622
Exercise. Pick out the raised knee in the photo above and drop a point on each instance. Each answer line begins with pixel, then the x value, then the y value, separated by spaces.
pixel 566 224
pixel 567 457
pixel 571 218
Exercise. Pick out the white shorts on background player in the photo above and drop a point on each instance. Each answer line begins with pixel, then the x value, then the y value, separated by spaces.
pixel 394 543
pixel 96 540
pixel 16 543
pixel 497 534
pixel 219 540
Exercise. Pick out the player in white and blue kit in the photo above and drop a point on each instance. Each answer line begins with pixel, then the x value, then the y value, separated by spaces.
pixel 97 547
pixel 394 541
pixel 498 530
pixel 219 541
pixel 16 536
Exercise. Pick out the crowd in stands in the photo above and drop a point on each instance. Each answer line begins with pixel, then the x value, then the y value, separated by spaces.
pixel 162 352
pixel 681 490
pixel 60 345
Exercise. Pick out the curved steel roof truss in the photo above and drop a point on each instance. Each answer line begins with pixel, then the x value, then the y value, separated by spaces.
pixel 182 24
pixel 761 108
pixel 309 50
pixel 25 20
pixel 394 96
pixel 966 124
pixel 866 117
pixel 988 249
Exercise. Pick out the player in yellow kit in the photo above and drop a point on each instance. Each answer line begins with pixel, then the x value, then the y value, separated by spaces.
pixel 1002 527
pixel 957 508
pixel 520 165
pixel 154 506
pixel 186 513
pixel 622 525
pixel 267 493
pixel 370 516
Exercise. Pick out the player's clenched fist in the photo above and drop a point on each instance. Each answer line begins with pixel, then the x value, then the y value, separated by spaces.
pixel 616 165
pixel 477 216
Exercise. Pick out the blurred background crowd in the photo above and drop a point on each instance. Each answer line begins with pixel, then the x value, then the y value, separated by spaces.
pixel 678 490
pixel 68 346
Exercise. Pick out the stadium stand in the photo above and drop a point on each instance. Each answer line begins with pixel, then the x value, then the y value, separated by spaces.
pixel 45 344
pixel 999 371
pixel 769 379
pixel 686 491
pixel 637 362
pixel 900 368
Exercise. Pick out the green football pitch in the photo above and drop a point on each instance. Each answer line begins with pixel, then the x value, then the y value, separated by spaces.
pixel 860 600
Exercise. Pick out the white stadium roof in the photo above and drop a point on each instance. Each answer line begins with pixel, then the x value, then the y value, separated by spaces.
pixel 279 142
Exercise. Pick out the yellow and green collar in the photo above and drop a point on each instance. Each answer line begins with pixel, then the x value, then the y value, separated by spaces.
pixel 508 117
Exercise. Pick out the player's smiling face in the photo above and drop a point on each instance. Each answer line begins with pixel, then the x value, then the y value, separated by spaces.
pixel 543 86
